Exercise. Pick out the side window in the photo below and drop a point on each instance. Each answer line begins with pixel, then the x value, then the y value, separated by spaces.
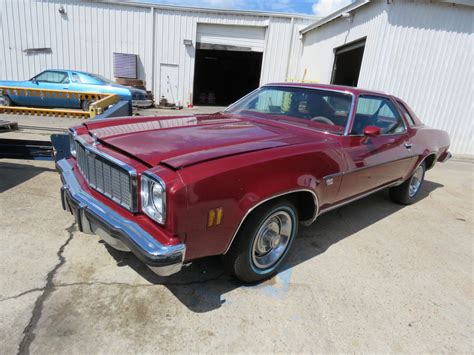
pixel 377 111
pixel 406 114
pixel 76 78
pixel 54 77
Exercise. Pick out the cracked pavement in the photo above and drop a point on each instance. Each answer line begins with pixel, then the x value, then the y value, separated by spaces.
pixel 371 276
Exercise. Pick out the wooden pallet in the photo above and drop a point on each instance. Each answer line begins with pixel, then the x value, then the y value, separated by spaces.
pixel 6 126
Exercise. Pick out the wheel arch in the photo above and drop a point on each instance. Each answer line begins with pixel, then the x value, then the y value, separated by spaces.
pixel 301 198
pixel 429 160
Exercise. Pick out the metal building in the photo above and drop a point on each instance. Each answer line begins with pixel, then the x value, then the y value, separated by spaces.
pixel 421 51
pixel 184 54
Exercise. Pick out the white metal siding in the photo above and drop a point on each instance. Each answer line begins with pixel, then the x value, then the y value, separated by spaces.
pixel 86 37
pixel 173 26
pixel 418 51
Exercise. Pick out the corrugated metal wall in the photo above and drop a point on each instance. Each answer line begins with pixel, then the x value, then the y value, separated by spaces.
pixel 85 37
pixel 419 51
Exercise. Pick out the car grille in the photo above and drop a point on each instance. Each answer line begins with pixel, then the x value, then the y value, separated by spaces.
pixel 105 176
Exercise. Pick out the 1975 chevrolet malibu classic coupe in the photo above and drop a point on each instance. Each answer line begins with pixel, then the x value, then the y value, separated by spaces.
pixel 237 183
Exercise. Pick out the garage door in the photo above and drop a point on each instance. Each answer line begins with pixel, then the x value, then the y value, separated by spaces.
pixel 243 38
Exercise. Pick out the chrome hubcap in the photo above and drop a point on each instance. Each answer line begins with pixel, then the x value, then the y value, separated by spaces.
pixel 3 101
pixel 272 240
pixel 415 181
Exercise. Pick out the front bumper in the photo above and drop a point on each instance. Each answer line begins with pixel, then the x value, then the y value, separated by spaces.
pixel 94 217
pixel 142 103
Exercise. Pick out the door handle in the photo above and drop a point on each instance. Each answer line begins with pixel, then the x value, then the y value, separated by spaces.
pixel 408 145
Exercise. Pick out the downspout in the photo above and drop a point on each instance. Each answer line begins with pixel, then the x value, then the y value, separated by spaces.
pixel 290 47
pixel 153 52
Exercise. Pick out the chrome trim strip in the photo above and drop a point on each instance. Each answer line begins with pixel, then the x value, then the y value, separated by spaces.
pixel 130 170
pixel 337 205
pixel 242 99
pixel 308 222
pixel 350 119
pixel 422 160
pixel 92 213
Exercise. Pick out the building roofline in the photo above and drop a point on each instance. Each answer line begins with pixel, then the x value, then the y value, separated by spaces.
pixel 358 4
pixel 335 15
pixel 203 9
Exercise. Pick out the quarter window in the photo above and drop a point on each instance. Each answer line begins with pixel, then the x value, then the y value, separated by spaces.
pixel 75 78
pixel 406 114
pixel 377 111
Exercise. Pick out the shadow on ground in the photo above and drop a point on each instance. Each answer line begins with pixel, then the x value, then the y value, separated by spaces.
pixel 13 174
pixel 202 285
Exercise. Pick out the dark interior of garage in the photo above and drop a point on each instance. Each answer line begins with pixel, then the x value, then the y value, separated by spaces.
pixel 347 63
pixel 223 76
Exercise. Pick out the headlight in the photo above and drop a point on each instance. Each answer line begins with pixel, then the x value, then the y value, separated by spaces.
pixel 72 142
pixel 153 194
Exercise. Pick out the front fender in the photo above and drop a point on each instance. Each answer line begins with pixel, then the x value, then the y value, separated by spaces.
pixel 239 184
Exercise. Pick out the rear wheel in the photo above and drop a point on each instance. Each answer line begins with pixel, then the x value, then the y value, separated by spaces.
pixel 86 104
pixel 5 100
pixel 263 241
pixel 407 193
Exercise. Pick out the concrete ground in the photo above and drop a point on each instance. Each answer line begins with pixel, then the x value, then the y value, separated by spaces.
pixel 372 276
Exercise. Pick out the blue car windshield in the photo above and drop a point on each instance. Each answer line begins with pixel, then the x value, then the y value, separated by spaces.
pixel 95 79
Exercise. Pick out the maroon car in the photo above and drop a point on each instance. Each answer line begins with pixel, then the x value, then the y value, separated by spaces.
pixel 237 183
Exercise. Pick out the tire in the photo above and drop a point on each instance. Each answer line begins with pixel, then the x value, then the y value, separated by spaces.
pixel 86 104
pixel 263 241
pixel 5 101
pixel 408 192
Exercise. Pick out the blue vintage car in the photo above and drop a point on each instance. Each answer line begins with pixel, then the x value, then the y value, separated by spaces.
pixel 73 80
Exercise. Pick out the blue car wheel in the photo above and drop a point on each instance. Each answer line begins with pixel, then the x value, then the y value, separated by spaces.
pixel 5 101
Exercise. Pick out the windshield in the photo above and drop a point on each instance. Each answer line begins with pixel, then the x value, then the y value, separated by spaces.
pixel 322 109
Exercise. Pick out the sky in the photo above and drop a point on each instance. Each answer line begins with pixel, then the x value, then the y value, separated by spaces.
pixel 310 7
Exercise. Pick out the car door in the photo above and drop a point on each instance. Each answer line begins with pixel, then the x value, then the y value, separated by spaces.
pixel 377 160
pixel 52 80
pixel 76 85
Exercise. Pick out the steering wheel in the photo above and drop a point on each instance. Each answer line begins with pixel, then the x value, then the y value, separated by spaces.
pixel 323 120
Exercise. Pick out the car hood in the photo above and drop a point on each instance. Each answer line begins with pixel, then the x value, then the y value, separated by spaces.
pixel 183 141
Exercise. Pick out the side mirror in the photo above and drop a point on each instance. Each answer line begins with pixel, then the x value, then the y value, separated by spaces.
pixel 372 131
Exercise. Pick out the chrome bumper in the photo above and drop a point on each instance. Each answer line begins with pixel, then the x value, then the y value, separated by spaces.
pixel 142 103
pixel 94 217
pixel 445 157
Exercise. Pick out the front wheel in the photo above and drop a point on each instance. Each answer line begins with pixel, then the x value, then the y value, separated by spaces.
pixel 263 242
pixel 86 104
pixel 5 101
pixel 407 193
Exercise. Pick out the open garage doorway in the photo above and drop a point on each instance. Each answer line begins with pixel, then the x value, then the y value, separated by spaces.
pixel 228 62
pixel 347 63
pixel 223 76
